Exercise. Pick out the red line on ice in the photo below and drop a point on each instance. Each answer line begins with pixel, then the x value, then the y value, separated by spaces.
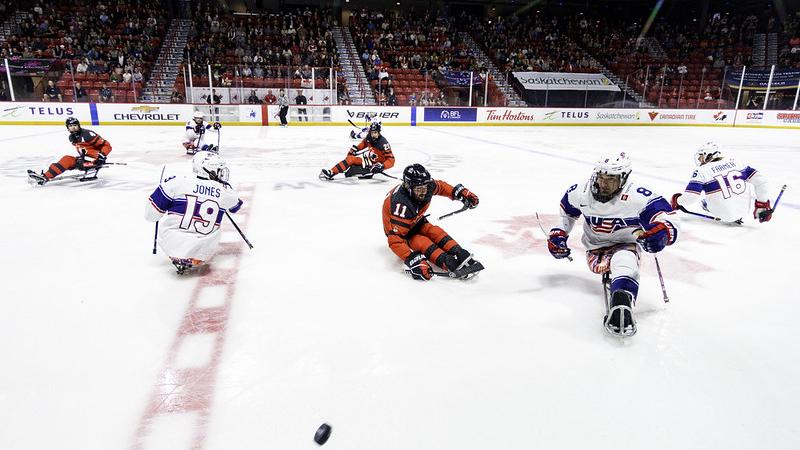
pixel 180 390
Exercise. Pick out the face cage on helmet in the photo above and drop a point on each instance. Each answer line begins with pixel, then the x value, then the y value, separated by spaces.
pixel 595 187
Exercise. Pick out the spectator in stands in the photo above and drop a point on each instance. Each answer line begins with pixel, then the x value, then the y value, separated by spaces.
pixel 52 93
pixel 753 103
pixel 137 76
pixel 253 98
pixel 177 97
pixel 301 100
pixel 127 77
pixel 270 98
pixel 708 96
pixel 82 67
pixel 80 93
pixel 3 94
pixel 213 98
pixel 391 99
pixel 412 99
pixel 106 94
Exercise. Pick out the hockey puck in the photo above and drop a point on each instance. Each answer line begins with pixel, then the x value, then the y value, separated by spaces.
pixel 322 434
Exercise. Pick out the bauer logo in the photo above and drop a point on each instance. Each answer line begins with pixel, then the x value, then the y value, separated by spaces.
pixel 372 114
pixel 451 114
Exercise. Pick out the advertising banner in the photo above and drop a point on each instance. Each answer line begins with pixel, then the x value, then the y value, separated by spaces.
pixel 759 79
pixel 450 114
pixel 143 114
pixel 43 113
pixel 561 81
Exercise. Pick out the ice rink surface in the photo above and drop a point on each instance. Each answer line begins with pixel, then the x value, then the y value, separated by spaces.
pixel 105 347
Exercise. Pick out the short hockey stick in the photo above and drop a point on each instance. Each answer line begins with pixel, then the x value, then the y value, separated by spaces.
pixel 155 235
pixel 239 230
pixel 684 210
pixel 351 123
pixel 390 176
pixel 661 279
pixel 546 234
pixel 477 267
pixel 778 199
pixel 464 208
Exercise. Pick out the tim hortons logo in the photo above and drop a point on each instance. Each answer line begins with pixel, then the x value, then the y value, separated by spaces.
pixel 494 114
pixel 653 115
pixel 145 108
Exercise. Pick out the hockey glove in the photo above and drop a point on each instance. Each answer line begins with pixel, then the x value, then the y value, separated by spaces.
pixel 199 129
pixel 675 205
pixel 216 125
pixel 557 243
pixel 376 168
pixel 100 160
pixel 763 211
pixel 354 150
pixel 655 239
pixel 419 266
pixel 465 195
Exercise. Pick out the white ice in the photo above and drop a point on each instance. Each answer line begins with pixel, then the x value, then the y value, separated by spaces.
pixel 325 327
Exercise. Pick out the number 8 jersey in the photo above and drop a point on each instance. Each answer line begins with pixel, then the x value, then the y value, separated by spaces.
pixel 725 185
pixel 194 208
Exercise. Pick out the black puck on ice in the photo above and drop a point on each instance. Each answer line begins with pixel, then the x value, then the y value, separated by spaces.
pixel 322 434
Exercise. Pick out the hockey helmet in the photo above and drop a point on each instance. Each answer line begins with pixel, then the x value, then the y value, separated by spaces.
pixel 610 176
pixel 375 126
pixel 416 180
pixel 72 121
pixel 198 115
pixel 210 166
pixel 707 152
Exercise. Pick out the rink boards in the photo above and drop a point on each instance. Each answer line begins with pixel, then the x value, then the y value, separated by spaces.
pixel 22 113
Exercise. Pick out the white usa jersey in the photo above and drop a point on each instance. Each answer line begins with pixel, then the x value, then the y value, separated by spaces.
pixel 199 135
pixel 726 186
pixel 193 209
pixel 618 220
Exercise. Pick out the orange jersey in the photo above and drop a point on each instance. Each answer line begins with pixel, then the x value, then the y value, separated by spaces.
pixel 402 216
pixel 381 151
pixel 89 142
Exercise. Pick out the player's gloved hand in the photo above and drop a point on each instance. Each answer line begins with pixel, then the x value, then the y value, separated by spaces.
pixel 763 211
pixel 655 239
pixel 354 150
pixel 80 162
pixel 557 243
pixel 100 160
pixel 419 266
pixel 199 129
pixel 216 125
pixel 675 205
pixel 467 197
pixel 377 167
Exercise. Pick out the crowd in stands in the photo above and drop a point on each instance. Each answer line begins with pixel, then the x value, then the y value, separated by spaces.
pixel 92 42
pixel 408 57
pixel 105 50
pixel 533 42
pixel 268 50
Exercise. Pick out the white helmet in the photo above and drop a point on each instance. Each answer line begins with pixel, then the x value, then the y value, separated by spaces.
pixel 707 152
pixel 615 164
pixel 198 115
pixel 209 165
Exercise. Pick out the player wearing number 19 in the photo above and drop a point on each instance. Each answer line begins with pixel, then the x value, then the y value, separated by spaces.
pixel 620 217
pixel 724 183
pixel 191 210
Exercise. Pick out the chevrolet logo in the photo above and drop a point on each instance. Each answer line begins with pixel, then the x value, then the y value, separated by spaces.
pixel 145 109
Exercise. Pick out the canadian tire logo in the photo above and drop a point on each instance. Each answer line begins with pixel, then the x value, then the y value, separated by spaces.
pixel 653 115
